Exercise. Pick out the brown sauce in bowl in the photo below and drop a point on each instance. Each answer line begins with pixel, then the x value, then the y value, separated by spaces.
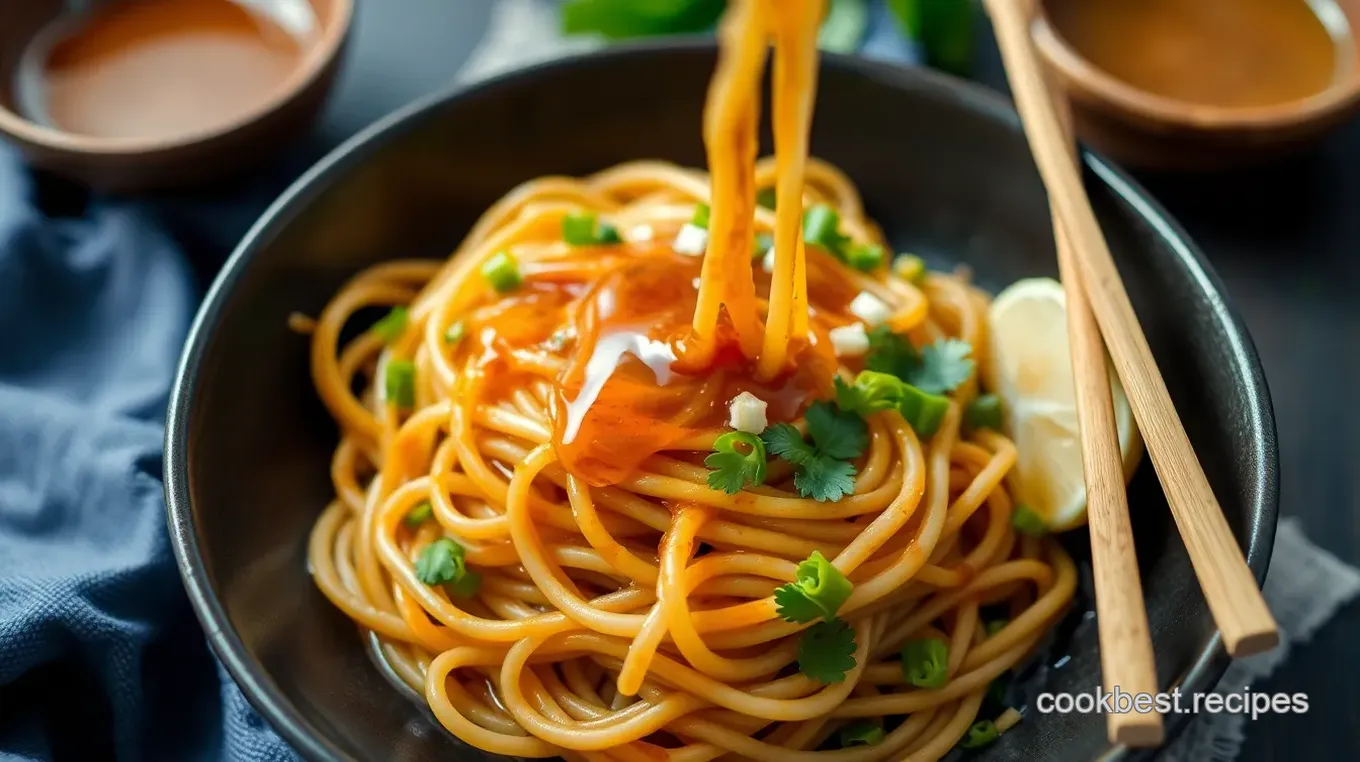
pixel 163 68
pixel 1225 53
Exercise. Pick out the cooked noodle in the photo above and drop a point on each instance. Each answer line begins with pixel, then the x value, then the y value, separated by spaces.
pixel 625 608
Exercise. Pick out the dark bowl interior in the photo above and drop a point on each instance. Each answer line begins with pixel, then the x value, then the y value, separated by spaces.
pixel 944 168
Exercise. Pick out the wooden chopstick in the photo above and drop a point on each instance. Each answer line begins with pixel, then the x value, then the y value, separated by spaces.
pixel 1126 660
pixel 1234 600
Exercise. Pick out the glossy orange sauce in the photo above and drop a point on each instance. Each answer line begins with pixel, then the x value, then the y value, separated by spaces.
pixel 160 68
pixel 651 296
pixel 1231 53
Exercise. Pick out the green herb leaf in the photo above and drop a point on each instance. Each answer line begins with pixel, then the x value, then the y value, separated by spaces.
pixel 818 591
pixel 440 562
pixel 455 333
pixel 766 198
pixel 890 353
pixel 825 479
pixel 701 214
pixel 844 26
pixel 979 735
pixel 824 472
pixel 821 227
pixel 874 391
pixel 925 662
pixel 618 19
pixel 1028 522
pixel 734 470
pixel 501 270
pixel 838 433
pixel 865 257
pixel 393 324
pixel 944 365
pixel 944 29
pixel 585 229
pixel 937 369
pixel 861 733
pixel 826 651
pixel 465 586
pixel 400 383
pixel 418 515
pixel 984 412
pixel 783 440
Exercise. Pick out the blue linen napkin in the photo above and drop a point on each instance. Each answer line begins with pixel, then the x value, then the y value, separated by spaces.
pixel 100 655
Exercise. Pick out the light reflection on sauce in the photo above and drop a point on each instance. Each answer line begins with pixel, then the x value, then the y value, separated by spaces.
pixel 162 68
pixel 1229 53
pixel 623 396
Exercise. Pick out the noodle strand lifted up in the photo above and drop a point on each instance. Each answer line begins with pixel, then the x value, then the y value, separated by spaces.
pixel 545 517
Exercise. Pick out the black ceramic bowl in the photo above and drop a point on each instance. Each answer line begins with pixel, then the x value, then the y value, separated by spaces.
pixel 943 167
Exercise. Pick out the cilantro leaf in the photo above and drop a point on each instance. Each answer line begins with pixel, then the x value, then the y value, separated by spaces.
pixel 825 479
pixel 794 606
pixel 937 368
pixel 891 354
pixel 826 651
pixel 734 470
pixel 441 561
pixel 838 433
pixel 944 365
pixel 824 473
pixel 785 441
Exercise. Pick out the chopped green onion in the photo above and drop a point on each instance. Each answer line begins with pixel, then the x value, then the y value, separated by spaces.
pixel 766 198
pixel 393 324
pixel 861 733
pixel 979 735
pixel 925 662
pixel 910 268
pixel 923 411
pixel 455 333
pixel 578 229
pixel 874 391
pixel 995 626
pixel 865 256
pixel 400 383
pixel 764 242
pixel 502 272
pixel 584 229
pixel 984 412
pixel 821 227
pixel 701 214
pixel 441 561
pixel 419 515
pixel 1028 522
pixel 819 589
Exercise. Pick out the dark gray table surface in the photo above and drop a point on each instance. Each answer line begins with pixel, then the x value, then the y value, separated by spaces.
pixel 1284 240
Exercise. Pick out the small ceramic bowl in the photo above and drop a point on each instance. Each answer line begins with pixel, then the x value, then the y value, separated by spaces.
pixel 1143 130
pixel 139 164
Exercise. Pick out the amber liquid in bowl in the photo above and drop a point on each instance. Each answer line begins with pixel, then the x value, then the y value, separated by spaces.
pixel 1225 53
pixel 162 69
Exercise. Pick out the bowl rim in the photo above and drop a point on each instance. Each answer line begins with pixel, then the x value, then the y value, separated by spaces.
pixel 1091 84
pixel 251 677
pixel 318 58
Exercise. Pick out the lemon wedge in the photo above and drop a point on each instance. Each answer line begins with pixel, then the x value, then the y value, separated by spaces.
pixel 1029 364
